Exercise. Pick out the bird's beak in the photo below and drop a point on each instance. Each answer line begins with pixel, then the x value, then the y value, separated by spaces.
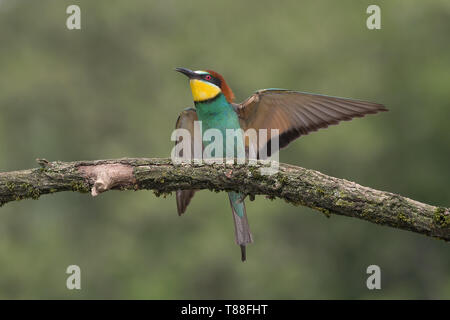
pixel 188 73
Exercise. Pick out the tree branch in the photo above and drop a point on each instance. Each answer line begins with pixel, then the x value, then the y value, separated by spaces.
pixel 296 185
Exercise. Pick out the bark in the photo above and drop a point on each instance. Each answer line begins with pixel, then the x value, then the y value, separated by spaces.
pixel 296 185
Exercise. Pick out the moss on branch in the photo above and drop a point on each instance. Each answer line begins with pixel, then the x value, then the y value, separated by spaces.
pixel 296 185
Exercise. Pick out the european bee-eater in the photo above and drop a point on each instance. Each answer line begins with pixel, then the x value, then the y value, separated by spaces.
pixel 293 113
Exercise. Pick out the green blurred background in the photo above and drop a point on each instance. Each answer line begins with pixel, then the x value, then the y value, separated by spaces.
pixel 109 91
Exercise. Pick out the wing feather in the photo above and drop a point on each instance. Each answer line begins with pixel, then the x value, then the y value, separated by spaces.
pixel 296 113
pixel 186 121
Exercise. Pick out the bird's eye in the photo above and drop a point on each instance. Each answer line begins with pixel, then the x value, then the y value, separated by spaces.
pixel 208 77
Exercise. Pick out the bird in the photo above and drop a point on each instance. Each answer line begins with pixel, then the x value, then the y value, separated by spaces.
pixel 293 113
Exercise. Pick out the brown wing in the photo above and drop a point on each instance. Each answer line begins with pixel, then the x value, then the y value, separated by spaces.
pixel 186 121
pixel 296 113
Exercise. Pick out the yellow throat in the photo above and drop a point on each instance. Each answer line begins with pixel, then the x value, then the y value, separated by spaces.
pixel 202 90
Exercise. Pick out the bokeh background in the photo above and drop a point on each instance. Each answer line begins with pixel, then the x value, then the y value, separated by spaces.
pixel 109 91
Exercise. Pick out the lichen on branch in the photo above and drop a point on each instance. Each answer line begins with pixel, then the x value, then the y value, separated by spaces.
pixel 296 185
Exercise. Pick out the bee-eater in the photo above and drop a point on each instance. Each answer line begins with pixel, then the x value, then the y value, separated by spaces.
pixel 293 113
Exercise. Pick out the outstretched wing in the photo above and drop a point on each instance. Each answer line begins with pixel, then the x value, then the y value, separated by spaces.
pixel 186 121
pixel 296 113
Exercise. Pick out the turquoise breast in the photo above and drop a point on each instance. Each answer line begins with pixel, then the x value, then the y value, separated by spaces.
pixel 219 114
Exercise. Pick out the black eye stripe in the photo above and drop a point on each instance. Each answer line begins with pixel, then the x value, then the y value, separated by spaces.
pixel 216 81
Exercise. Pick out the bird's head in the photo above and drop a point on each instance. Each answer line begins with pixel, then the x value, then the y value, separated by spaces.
pixel 207 85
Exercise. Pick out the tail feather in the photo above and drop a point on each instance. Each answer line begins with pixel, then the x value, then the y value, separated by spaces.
pixel 242 232
pixel 243 253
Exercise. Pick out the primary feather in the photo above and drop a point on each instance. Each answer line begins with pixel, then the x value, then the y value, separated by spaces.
pixel 296 113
